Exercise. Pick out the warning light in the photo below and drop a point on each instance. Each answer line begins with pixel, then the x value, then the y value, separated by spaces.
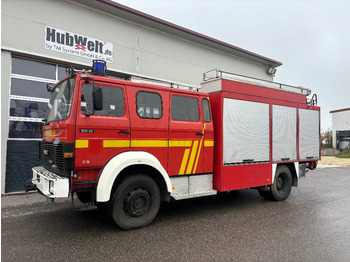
pixel 99 67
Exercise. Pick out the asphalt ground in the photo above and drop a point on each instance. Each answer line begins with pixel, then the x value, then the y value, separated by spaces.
pixel 313 224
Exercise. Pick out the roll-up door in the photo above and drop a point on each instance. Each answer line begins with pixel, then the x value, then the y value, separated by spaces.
pixel 246 132
pixel 309 134
pixel 284 133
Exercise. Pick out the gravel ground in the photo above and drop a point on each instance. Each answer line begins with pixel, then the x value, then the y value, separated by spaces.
pixel 332 160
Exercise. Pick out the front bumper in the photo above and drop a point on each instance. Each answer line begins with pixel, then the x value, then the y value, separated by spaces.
pixel 50 184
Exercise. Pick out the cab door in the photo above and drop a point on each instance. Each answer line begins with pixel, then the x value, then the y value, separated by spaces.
pixel 149 121
pixel 186 135
pixel 101 134
pixel 208 149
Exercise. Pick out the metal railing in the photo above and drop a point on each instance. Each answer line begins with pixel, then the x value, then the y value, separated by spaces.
pixel 217 73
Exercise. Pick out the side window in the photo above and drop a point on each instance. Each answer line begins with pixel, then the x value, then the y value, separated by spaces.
pixel 206 110
pixel 113 100
pixel 149 105
pixel 184 108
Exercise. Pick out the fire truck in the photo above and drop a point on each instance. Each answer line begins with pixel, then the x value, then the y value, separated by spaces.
pixel 131 145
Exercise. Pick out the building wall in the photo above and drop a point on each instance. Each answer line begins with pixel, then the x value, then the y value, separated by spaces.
pixel 137 50
pixel 5 83
pixel 340 122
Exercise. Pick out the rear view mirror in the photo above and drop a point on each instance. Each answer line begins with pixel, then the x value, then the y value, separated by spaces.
pixel 97 98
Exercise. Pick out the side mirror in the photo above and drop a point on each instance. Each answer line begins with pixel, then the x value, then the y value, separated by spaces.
pixel 97 98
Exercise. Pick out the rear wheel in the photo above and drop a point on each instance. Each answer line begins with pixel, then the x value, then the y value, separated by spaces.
pixel 136 202
pixel 265 194
pixel 282 185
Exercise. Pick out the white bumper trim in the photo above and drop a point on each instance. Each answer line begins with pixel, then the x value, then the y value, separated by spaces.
pixel 50 184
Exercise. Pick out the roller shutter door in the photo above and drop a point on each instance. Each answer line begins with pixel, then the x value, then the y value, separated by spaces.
pixel 309 134
pixel 21 157
pixel 246 132
pixel 284 133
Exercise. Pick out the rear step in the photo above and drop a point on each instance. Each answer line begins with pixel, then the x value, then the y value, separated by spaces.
pixel 79 206
pixel 193 195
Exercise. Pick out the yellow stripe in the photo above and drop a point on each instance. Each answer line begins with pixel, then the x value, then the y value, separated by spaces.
pixel 199 152
pixel 116 143
pixel 50 133
pixel 136 143
pixel 173 143
pixel 193 154
pixel 208 143
pixel 149 143
pixel 184 162
pixel 81 143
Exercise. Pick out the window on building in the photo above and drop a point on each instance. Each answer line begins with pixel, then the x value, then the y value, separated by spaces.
pixel 29 97
pixel 149 105
pixel 184 108
pixel 113 101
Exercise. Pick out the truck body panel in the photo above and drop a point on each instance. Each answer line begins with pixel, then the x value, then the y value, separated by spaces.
pixel 256 126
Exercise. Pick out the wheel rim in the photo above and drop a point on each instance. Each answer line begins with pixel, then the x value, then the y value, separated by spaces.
pixel 137 202
pixel 281 182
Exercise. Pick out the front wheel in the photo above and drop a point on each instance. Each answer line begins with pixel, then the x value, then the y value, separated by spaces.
pixel 136 202
pixel 282 186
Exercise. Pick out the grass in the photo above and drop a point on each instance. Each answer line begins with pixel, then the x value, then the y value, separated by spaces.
pixel 344 154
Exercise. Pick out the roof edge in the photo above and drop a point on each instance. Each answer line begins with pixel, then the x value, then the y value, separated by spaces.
pixel 186 30
pixel 339 110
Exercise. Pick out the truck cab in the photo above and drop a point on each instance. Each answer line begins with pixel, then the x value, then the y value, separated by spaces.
pixel 101 132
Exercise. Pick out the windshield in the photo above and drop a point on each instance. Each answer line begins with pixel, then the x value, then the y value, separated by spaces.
pixel 60 102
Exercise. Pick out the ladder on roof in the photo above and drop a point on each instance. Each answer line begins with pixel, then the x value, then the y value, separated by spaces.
pixel 217 73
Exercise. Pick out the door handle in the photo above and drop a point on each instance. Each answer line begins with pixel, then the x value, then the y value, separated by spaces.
pixel 124 132
pixel 200 134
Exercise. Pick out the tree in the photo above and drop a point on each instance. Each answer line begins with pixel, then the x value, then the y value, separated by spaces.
pixel 327 138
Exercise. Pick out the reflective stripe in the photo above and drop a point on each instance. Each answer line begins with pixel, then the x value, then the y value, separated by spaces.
pixel 142 143
pixel 173 143
pixel 81 143
pixel 149 143
pixel 116 143
pixel 208 143
pixel 197 158
pixel 184 161
pixel 193 154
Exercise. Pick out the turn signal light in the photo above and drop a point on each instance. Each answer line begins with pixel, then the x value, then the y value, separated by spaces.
pixel 68 155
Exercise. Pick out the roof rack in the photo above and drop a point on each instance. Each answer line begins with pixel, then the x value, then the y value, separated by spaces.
pixel 217 73
pixel 164 83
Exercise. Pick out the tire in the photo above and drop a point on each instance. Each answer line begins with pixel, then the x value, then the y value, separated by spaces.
pixel 136 202
pixel 265 194
pixel 282 185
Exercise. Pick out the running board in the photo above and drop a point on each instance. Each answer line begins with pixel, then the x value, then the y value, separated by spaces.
pixel 192 186
pixel 193 195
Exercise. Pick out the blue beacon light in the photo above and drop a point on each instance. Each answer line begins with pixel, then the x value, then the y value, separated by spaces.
pixel 99 67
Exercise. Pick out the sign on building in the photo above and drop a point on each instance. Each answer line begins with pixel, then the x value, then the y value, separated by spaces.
pixel 75 44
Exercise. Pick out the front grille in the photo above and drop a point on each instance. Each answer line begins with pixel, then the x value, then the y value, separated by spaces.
pixel 52 158
pixel 52 155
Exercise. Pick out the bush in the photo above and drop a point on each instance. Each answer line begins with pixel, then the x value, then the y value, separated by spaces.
pixel 344 154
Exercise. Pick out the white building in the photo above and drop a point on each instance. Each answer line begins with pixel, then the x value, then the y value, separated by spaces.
pixel 341 128
pixel 40 38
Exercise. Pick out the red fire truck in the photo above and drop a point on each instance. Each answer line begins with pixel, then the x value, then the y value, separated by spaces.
pixel 133 145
